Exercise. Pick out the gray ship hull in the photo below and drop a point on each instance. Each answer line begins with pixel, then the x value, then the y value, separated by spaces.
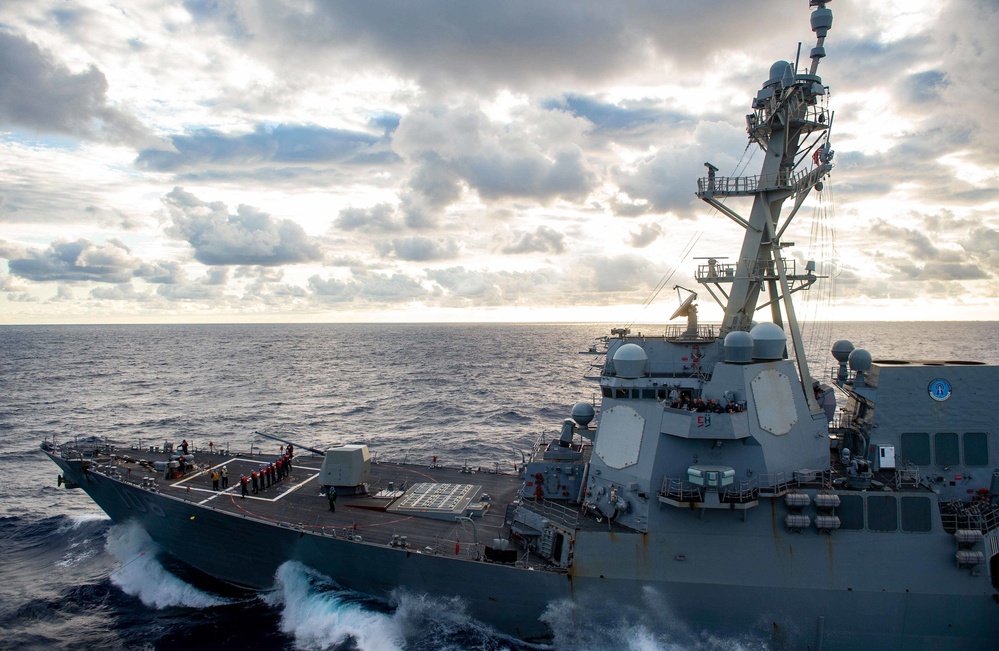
pixel 716 573
pixel 247 552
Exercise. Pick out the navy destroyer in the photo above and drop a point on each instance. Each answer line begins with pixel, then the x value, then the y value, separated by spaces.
pixel 717 482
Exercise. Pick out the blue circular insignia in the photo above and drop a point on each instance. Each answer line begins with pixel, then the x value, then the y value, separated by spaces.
pixel 939 390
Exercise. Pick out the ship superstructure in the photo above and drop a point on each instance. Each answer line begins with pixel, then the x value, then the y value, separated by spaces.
pixel 716 482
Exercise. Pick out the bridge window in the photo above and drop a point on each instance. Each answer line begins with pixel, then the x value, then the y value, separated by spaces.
pixel 976 449
pixel 916 514
pixel 916 448
pixel 882 513
pixel 947 449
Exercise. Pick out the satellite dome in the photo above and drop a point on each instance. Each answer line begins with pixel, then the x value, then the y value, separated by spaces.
pixel 769 341
pixel 781 72
pixel 582 413
pixel 739 347
pixel 841 350
pixel 630 361
pixel 860 360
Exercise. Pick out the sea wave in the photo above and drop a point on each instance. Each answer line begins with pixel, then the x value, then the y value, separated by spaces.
pixel 598 627
pixel 142 575
pixel 320 615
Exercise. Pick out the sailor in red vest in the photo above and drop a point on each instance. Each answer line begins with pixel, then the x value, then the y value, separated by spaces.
pixel 254 479
pixel 242 485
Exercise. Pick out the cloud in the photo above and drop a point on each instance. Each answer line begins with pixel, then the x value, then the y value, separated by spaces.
pixel 279 145
pixel 468 284
pixel 614 274
pixel 39 93
pixel 609 117
pixel 380 218
pixel 646 235
pixel 453 148
pixel 120 292
pixel 333 290
pixel 422 249
pixel 667 179
pixel 370 287
pixel 168 272
pixel 250 237
pixel 80 260
pixel 926 260
pixel 925 86
pixel 544 239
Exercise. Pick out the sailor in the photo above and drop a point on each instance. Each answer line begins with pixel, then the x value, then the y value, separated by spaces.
pixel 254 477
pixel 291 450
pixel 224 474
pixel 332 497
pixel 287 460
pixel 183 446
pixel 215 480
pixel 242 485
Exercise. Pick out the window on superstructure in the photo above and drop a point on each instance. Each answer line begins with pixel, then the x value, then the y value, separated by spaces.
pixel 916 514
pixel 916 448
pixel 946 449
pixel 976 449
pixel 882 513
pixel 850 512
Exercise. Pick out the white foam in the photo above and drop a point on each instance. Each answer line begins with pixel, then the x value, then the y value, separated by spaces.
pixel 141 574
pixel 575 626
pixel 319 616
pixel 74 522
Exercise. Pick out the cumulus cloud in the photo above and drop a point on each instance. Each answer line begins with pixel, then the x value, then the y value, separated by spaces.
pixel 920 258
pixel 462 147
pixel 168 272
pixel 544 239
pixel 667 179
pixel 646 235
pixel 250 237
pixel 80 260
pixel 422 249
pixel 615 274
pixel 37 92
pixel 634 117
pixel 520 45
pixel 369 287
pixel 284 144
pixel 378 218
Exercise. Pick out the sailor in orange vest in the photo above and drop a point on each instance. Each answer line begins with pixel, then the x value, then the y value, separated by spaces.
pixel 242 485
pixel 254 477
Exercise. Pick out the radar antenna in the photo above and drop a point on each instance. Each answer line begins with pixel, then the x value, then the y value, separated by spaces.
pixel 688 309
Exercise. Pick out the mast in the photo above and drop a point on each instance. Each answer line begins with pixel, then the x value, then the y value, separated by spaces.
pixel 789 122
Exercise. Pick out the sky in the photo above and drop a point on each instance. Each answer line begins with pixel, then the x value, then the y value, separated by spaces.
pixel 406 160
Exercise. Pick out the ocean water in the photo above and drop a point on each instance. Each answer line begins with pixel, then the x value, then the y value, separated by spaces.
pixel 480 394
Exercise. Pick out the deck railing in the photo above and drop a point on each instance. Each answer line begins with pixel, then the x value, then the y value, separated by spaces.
pixel 554 511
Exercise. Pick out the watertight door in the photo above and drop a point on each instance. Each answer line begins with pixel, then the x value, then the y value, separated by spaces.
pixel 886 457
